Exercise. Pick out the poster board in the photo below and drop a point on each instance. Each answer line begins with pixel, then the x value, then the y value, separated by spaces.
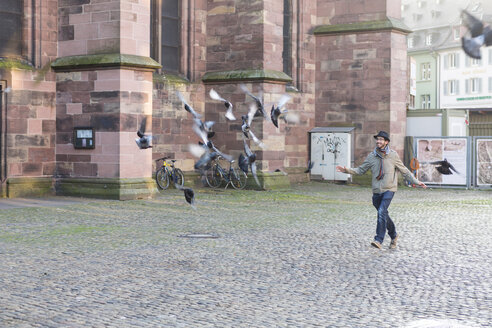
pixel 454 149
pixel 483 158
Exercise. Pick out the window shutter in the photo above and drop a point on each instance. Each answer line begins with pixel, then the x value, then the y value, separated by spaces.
pixel 479 85
pixel 490 84
pixel 457 87
pixel 490 56
pixel 467 61
pixel 467 86
pixel 446 61
pixel 458 60
pixel 445 88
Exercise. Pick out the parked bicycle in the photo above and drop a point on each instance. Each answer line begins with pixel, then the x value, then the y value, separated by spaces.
pixel 216 174
pixel 168 172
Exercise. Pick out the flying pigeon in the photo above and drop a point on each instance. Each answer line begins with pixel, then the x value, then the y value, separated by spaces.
pixel 188 107
pixel 143 141
pixel 251 157
pixel 188 193
pixel 276 110
pixel 444 167
pixel 229 115
pixel 480 35
pixel 260 110
pixel 309 166
pixel 243 163
pixel 245 127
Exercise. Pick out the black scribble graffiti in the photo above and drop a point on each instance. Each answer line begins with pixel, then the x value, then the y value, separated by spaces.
pixel 332 144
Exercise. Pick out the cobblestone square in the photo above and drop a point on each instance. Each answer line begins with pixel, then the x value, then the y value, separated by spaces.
pixel 296 258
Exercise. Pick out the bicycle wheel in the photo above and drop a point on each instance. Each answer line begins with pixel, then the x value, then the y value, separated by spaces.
pixel 178 177
pixel 238 179
pixel 162 178
pixel 213 176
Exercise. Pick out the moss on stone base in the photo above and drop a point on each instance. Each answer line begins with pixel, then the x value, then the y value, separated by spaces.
pixel 122 189
pixel 29 187
pixel 268 181
pixel 266 75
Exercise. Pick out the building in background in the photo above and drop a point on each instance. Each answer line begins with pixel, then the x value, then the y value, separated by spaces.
pixel 453 91
pixel 78 77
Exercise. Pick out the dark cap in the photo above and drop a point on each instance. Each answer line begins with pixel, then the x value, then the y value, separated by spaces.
pixel 382 134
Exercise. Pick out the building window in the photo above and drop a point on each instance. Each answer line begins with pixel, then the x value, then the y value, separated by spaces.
pixel 456 32
pixel 451 87
pixel 451 60
pixel 287 38
pixel 410 42
pixel 412 102
pixel 474 85
pixel 476 62
pixel 171 37
pixel 428 40
pixel 11 13
pixel 425 71
pixel 425 101
pixel 165 34
pixel 490 84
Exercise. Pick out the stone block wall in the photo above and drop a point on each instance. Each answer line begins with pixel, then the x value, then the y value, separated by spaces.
pixel 113 102
pixel 29 113
pixel 357 84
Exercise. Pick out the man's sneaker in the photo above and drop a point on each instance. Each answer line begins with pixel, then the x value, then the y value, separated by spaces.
pixel 376 244
pixel 393 242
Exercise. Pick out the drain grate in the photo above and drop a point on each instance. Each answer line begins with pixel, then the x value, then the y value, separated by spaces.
pixel 199 235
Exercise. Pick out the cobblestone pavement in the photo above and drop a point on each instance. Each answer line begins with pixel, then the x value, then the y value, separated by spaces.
pixel 297 258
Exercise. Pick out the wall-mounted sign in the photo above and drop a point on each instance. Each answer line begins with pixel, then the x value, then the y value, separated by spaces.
pixel 84 138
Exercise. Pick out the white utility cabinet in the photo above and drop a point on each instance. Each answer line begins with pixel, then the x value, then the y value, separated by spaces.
pixel 330 147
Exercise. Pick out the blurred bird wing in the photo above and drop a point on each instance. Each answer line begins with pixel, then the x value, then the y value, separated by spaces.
pixel 473 24
pixel 189 108
pixel 253 170
pixel 291 118
pixel 196 150
pixel 143 125
pixel 252 110
pixel 283 100
pixel 452 168
pixel 229 115
pixel 214 95
pixel 208 125
pixel 256 140
pixel 471 47
pixel 246 91
pixel 247 150
pixel 201 133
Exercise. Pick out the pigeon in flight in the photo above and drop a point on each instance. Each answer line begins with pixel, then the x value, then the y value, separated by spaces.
pixel 188 107
pixel 251 158
pixel 480 35
pixel 309 166
pixel 229 115
pixel 143 141
pixel 260 110
pixel 443 167
pixel 188 193
pixel 246 126
pixel 276 110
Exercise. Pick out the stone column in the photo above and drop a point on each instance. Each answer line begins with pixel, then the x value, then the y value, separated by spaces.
pixel 104 81
pixel 245 47
pixel 361 70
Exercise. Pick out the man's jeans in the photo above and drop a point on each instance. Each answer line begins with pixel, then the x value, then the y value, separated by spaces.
pixel 381 202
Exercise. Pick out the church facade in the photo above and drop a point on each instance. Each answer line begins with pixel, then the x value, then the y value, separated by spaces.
pixel 77 77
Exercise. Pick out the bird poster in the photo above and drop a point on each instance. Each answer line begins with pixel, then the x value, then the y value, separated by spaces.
pixel 484 162
pixel 442 161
